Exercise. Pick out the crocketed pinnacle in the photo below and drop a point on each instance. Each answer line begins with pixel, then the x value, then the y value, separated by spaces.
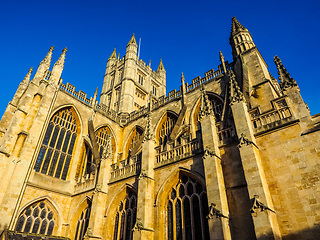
pixel 113 55
pixel 132 40
pixel 286 81
pixel 235 93
pixel 206 105
pixel 236 26
pixel 160 67
pixel 27 77
pixel 61 59
pixel 47 59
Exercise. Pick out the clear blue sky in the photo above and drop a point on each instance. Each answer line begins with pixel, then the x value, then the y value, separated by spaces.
pixel 188 35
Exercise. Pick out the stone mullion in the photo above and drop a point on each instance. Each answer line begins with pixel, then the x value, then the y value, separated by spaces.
pixel 216 192
pixel 265 223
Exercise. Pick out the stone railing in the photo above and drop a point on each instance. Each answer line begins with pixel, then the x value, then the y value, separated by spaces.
pixel 226 135
pixel 178 152
pixel 279 115
pixel 71 90
pixel 85 183
pixel 125 170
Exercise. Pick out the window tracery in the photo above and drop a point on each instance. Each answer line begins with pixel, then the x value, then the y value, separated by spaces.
pixel 166 128
pixel 37 218
pixel 83 222
pixel 186 211
pixel 56 151
pixel 134 139
pixel 126 217
pixel 102 135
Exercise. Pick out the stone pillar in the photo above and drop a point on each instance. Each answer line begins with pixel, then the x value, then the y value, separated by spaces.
pixel 217 198
pixel 144 227
pixel 265 222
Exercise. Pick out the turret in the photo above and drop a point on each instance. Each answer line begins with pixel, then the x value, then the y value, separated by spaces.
pixel 132 48
pixel 240 39
pixel 162 72
pixel 43 67
pixel 58 68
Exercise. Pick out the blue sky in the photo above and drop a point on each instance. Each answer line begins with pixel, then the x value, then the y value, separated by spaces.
pixel 188 35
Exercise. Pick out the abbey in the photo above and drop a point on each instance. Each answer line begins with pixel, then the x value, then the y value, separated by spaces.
pixel 234 154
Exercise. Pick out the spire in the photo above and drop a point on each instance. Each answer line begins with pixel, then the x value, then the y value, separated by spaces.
pixel 133 40
pixel 236 26
pixel 235 94
pixel 27 77
pixel 113 55
pixel 47 59
pixel 222 62
pixel 61 59
pixel 286 81
pixel 161 67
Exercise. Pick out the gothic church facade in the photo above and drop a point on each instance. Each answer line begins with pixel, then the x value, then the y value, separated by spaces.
pixel 232 155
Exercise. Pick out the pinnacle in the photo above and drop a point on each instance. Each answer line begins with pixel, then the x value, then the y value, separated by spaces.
pixel 47 59
pixel 236 26
pixel 113 55
pixel 61 59
pixel 161 67
pixel 133 40
pixel 286 81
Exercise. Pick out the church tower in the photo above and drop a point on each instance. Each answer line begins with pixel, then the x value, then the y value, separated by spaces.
pixel 129 81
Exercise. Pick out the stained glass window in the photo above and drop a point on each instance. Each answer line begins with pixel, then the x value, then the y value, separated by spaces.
pixel 186 212
pixel 126 217
pixel 37 218
pixel 57 146
pixel 83 222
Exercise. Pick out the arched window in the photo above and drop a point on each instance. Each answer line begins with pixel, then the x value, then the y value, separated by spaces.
pixel 87 165
pixel 102 135
pixel 133 141
pixel 56 151
pixel 166 128
pixel 125 217
pixel 186 211
pixel 37 218
pixel 83 222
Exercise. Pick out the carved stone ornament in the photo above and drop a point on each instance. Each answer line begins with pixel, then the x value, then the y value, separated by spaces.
pixel 243 141
pixel 209 153
pixel 258 206
pixel 286 82
pixel 138 226
pixel 142 175
pixel 206 105
pixel 214 212
pixel 235 93
pixel 148 133
pixel 107 152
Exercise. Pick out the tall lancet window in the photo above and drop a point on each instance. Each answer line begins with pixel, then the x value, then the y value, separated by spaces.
pixel 102 135
pixel 56 151
pixel 83 222
pixel 125 217
pixel 167 126
pixel 187 209
pixel 37 218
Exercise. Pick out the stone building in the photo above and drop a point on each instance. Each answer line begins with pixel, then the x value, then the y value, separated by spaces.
pixel 232 155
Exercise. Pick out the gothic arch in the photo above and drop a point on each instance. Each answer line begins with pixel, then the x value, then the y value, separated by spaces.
pixel 74 217
pixel 57 213
pixel 161 121
pixel 161 199
pixel 111 211
pixel 128 139
pixel 114 141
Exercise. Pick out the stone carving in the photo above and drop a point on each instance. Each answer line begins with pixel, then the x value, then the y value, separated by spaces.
pixel 107 152
pixel 209 153
pixel 286 82
pixel 214 212
pixel 258 206
pixel 243 141
pixel 235 94
pixel 138 226
pixel 148 132
pixel 206 105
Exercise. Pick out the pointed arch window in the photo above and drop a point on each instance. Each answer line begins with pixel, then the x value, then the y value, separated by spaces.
pixel 186 211
pixel 57 147
pixel 134 139
pixel 102 135
pixel 166 128
pixel 37 218
pixel 83 222
pixel 126 217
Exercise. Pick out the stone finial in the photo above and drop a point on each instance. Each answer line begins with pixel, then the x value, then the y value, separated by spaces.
pixel 132 40
pixel 286 82
pixel 47 59
pixel 95 94
pixel 183 88
pixel 27 77
pixel 113 55
pixel 235 93
pixel 236 26
pixel 61 59
pixel 206 105
pixel 160 67
pixel 222 62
